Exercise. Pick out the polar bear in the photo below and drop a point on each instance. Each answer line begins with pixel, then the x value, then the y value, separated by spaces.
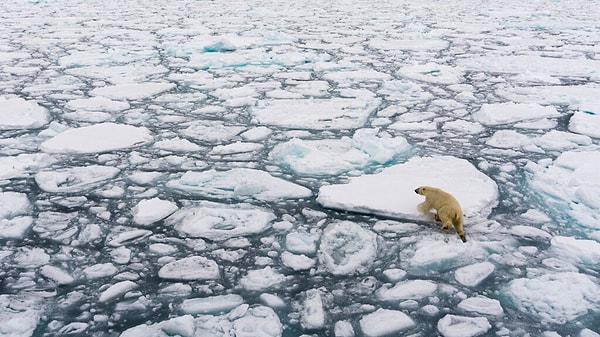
pixel 447 207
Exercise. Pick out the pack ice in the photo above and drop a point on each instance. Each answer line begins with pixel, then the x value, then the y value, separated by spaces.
pixel 185 168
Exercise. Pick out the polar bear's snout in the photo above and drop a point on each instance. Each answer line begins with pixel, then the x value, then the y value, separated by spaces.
pixel 417 190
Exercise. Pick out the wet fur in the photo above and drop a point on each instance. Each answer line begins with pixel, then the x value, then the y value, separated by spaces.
pixel 447 207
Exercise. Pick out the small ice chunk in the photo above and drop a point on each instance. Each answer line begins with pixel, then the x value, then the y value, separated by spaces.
pixel 301 243
pixel 555 298
pixel 474 274
pixel 394 275
pixel 100 270
pixel 102 137
pixel 132 91
pixel 482 305
pixel 261 279
pixel 343 329
pixel 220 222
pixel 190 268
pixel 346 248
pixel 297 262
pixel 116 290
pixel 13 204
pixel 584 252
pixel 272 301
pixel 460 326
pixel 149 211
pixel 18 114
pixel 586 121
pixel 505 113
pixel 177 145
pixel 530 233
pixel 313 315
pixel 407 290
pixel 211 305
pixel 331 113
pixel 384 322
pixel 97 104
pixel 31 258
pixel 15 228
pixel 239 183
pixel 56 274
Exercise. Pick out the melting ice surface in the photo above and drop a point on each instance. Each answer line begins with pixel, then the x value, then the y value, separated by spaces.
pixel 186 168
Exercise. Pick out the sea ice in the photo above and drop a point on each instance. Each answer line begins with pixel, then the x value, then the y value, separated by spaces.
pixel 333 113
pixel 481 305
pixel 13 204
pixel 220 222
pixel 261 279
pixel 190 268
pixel 132 91
pixel 505 113
pixel 149 211
pixel 103 137
pixel 568 186
pixel 460 326
pixel 384 322
pixel 18 113
pixel 116 290
pixel 407 290
pixel 473 274
pixel 239 183
pixel 75 179
pixel 586 122
pixel 336 156
pixel 555 297
pixel 476 192
pixel 347 248
pixel 211 305
pixel 312 315
pixel 97 104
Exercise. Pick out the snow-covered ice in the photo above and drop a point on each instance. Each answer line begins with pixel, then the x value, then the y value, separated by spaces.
pixel 185 168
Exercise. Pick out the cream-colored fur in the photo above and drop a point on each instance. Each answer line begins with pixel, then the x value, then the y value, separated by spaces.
pixel 447 207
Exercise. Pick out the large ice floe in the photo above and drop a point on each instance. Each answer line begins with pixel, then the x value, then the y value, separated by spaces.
pixel 212 169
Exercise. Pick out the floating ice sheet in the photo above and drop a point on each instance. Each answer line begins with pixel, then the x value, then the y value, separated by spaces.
pixel 569 186
pixel 238 183
pixel 220 222
pixel 346 248
pixel 335 156
pixel 75 179
pixel 391 192
pixel 334 113
pixel 18 113
pixel 103 137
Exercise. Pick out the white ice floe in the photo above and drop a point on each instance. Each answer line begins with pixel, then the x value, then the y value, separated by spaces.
pixel 117 290
pixel 13 204
pixel 297 261
pixel 391 192
pixel 103 137
pixel 333 113
pixel 505 113
pixel 302 242
pixel 18 114
pixel 367 147
pixel 190 268
pixel 97 104
pixel 100 270
pixel 433 73
pixel 555 297
pixel 460 326
pixel 568 186
pixel 239 183
pixel 261 279
pixel 586 122
pixel 220 222
pixel 132 91
pixel 312 315
pixel 176 145
pixel 579 252
pixel 58 275
pixel 23 165
pixel 212 132
pixel 473 274
pixel 482 305
pixel 347 248
pixel 384 322
pixel 434 254
pixel 75 179
pixel 407 290
pixel 20 315
pixel 257 321
pixel 211 305
pixel 152 210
